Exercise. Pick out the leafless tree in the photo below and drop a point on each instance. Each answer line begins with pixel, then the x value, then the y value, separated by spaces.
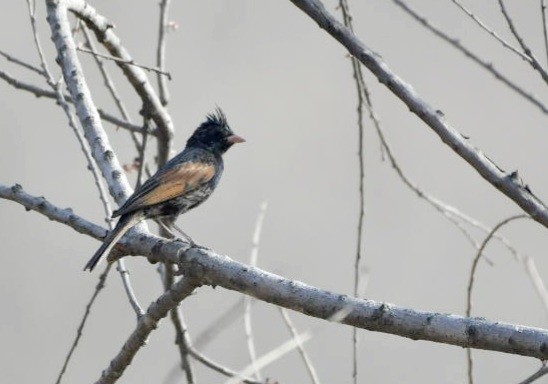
pixel 82 37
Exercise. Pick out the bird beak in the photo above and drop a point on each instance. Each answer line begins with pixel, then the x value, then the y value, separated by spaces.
pixel 233 139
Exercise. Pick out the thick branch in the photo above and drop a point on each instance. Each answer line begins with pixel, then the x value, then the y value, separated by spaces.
pixel 507 183
pixel 85 108
pixel 211 268
pixel 148 322
pixel 136 76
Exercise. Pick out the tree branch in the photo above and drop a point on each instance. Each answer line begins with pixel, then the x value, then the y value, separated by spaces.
pixel 507 183
pixel 161 51
pixel 41 92
pixel 217 270
pixel 81 96
pixel 105 35
pixel 149 321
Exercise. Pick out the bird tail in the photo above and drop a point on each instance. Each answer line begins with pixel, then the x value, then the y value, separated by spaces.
pixel 123 225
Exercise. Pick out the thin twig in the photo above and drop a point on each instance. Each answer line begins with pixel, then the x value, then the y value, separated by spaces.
pixel 41 92
pixel 110 84
pixel 142 152
pixel 483 26
pixel 22 63
pixel 100 285
pixel 43 62
pixel 360 85
pixel 148 322
pixel 123 61
pixel 508 183
pixel 304 355
pixel 288 346
pixel 534 62
pixel 537 375
pixel 544 26
pixel 471 283
pixel 161 52
pixel 537 281
pixel 124 274
pixel 450 212
pixel 271 356
pixel 182 339
pixel 247 307
pixel 218 367
pixel 478 256
pixel 124 123
pixel 488 66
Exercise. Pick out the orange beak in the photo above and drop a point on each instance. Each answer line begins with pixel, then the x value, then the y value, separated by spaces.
pixel 233 139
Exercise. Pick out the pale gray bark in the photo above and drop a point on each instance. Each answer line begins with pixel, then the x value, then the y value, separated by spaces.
pixel 507 182
pixel 210 268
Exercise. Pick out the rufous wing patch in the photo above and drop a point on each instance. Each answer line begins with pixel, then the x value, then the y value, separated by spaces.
pixel 178 181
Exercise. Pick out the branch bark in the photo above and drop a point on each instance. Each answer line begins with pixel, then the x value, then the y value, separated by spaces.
pixel 507 183
pixel 213 269
pixel 85 107
pixel 103 29
pixel 148 322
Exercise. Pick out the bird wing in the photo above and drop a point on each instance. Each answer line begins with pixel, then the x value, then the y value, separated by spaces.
pixel 169 184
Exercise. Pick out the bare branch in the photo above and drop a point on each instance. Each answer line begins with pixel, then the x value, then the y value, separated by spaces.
pixel 32 12
pixel 138 79
pixel 271 356
pixel 247 306
pixel 41 92
pixel 544 25
pixel 85 108
pixel 212 268
pixel 124 123
pixel 124 274
pixel 360 86
pixel 41 205
pixel 537 375
pixel 483 26
pixel 471 282
pixel 478 256
pixel 507 183
pixel 100 285
pixel 155 312
pixel 286 347
pixel 536 279
pixel 306 359
pixel 216 366
pixel 488 66
pixel 161 51
pixel 534 62
pixel 22 63
pixel 110 86
pixel 182 338
pixel 122 61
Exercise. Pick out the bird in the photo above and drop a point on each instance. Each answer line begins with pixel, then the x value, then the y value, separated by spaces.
pixel 183 183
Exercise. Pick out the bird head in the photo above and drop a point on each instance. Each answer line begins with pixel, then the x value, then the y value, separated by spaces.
pixel 214 134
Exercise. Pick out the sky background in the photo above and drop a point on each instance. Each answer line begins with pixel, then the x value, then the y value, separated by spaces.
pixel 286 86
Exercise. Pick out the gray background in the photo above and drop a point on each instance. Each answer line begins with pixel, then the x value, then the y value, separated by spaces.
pixel 286 87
